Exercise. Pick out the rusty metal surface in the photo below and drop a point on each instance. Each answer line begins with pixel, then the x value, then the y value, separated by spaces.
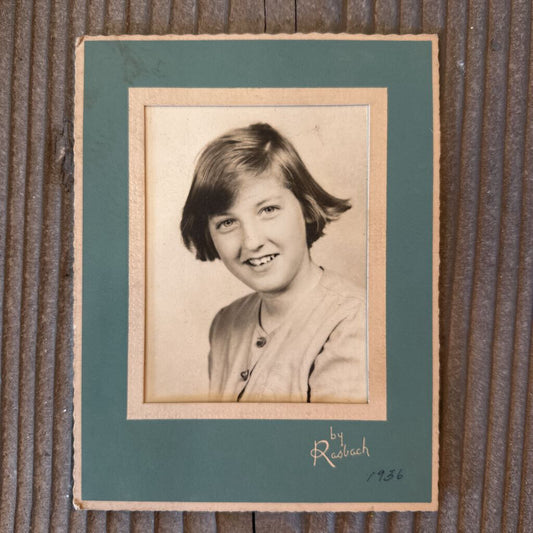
pixel 486 279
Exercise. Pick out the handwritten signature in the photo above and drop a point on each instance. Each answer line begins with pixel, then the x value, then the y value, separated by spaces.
pixel 339 450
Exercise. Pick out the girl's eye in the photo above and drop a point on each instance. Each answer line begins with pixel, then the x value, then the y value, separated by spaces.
pixel 270 209
pixel 225 224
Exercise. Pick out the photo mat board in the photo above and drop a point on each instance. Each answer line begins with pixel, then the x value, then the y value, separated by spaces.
pixel 171 453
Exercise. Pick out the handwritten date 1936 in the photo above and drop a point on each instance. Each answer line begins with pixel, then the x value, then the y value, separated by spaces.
pixel 386 475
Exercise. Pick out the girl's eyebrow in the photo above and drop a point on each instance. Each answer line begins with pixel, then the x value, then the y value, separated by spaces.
pixel 275 198
pixel 219 215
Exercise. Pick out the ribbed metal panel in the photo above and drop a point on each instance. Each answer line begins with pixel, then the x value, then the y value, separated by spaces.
pixel 486 279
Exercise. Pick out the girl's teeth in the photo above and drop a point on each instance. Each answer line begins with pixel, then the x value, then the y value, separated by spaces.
pixel 261 261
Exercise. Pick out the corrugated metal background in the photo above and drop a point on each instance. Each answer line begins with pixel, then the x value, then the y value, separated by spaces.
pixel 486 284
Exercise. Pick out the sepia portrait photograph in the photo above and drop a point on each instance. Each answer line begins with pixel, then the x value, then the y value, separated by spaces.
pixel 256 252
pixel 256 273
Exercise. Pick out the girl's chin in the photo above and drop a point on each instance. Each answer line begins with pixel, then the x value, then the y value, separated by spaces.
pixel 267 288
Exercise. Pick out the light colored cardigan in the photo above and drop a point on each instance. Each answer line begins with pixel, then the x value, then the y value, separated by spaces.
pixel 318 354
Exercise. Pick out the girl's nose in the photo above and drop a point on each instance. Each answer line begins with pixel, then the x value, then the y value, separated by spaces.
pixel 252 237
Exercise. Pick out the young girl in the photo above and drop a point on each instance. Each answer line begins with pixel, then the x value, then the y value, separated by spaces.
pixel 300 336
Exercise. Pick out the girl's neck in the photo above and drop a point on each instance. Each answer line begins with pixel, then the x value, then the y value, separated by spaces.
pixel 275 307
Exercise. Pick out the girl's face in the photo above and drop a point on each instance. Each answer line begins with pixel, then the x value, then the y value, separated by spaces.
pixel 261 238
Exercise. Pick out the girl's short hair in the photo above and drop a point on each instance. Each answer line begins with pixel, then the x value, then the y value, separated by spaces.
pixel 251 151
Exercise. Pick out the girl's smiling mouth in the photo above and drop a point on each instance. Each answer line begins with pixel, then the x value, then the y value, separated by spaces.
pixel 259 261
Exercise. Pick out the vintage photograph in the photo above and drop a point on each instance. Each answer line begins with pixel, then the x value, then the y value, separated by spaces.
pixel 256 273
pixel 256 226
pixel 255 207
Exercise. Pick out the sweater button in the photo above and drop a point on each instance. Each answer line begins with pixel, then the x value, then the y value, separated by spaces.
pixel 261 341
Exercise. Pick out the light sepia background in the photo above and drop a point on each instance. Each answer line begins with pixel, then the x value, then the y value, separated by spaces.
pixel 182 293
